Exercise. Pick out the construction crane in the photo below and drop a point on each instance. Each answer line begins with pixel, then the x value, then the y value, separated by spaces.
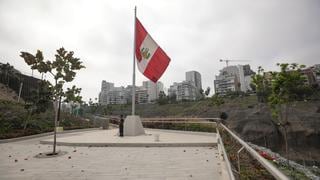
pixel 228 60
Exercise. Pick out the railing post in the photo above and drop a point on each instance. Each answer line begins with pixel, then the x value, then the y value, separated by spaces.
pixel 238 155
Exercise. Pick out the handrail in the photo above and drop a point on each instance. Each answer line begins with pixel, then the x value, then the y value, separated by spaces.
pixel 176 118
pixel 225 156
pixel 265 163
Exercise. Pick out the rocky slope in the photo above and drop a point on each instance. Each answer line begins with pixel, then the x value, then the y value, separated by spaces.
pixel 256 125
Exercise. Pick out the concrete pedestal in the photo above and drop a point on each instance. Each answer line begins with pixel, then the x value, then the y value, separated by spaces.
pixel 133 126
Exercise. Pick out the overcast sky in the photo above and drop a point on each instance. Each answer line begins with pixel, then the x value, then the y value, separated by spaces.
pixel 195 35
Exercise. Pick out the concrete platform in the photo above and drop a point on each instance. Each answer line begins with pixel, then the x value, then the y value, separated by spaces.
pixel 110 138
pixel 113 163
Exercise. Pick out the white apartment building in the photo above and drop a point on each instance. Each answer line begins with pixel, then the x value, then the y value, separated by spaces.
pixel 186 91
pixel 105 88
pixel 233 78
pixel 153 89
pixel 173 89
pixel 117 95
pixel 141 96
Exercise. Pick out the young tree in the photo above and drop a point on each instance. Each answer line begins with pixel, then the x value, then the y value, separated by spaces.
pixel 63 69
pixel 162 98
pixel 286 86
pixel 261 85
pixel 207 92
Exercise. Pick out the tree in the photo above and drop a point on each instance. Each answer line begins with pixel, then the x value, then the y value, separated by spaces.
pixel 162 98
pixel 172 98
pixel 285 88
pixel 217 100
pixel 207 92
pixel 261 84
pixel 38 101
pixel 73 96
pixel 8 71
pixel 63 69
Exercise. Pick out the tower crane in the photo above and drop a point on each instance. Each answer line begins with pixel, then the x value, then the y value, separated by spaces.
pixel 228 60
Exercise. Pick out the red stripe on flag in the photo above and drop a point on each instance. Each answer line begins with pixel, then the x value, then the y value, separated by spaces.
pixel 141 33
pixel 157 65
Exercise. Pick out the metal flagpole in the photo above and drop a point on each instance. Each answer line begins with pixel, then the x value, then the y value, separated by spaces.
pixel 134 65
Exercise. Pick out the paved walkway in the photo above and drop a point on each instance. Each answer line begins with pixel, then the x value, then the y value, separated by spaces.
pixel 111 138
pixel 125 163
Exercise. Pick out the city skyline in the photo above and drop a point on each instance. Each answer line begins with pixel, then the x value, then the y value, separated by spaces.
pixel 100 34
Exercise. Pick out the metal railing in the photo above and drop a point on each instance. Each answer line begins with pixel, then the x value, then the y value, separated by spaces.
pixel 224 155
pixel 276 173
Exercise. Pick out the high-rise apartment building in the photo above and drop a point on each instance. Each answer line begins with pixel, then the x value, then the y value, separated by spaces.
pixel 195 78
pixel 233 78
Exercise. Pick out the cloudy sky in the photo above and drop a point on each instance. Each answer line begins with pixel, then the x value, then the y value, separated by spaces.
pixel 195 34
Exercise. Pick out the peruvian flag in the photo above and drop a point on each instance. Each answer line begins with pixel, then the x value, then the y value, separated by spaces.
pixel 152 60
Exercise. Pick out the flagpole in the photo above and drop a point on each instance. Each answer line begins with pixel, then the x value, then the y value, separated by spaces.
pixel 134 65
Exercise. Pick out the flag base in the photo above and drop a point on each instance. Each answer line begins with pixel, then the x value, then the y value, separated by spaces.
pixel 133 126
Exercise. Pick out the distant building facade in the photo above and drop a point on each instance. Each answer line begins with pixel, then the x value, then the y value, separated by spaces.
pixel 233 78
pixel 187 90
pixel 153 89
pixel 312 75
pixel 110 94
pixel 195 78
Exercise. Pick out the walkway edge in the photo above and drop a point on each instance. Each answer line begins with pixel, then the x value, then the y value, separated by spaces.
pixel 44 134
pixel 132 144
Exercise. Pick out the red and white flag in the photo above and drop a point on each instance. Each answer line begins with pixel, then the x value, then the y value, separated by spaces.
pixel 151 59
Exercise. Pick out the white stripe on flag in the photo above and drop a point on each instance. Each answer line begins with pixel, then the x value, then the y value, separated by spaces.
pixel 147 49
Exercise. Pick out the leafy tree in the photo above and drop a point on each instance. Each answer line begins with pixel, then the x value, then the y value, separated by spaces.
pixel 162 98
pixel 8 71
pixel 73 96
pixel 38 101
pixel 217 100
pixel 207 92
pixel 63 69
pixel 285 88
pixel 261 84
